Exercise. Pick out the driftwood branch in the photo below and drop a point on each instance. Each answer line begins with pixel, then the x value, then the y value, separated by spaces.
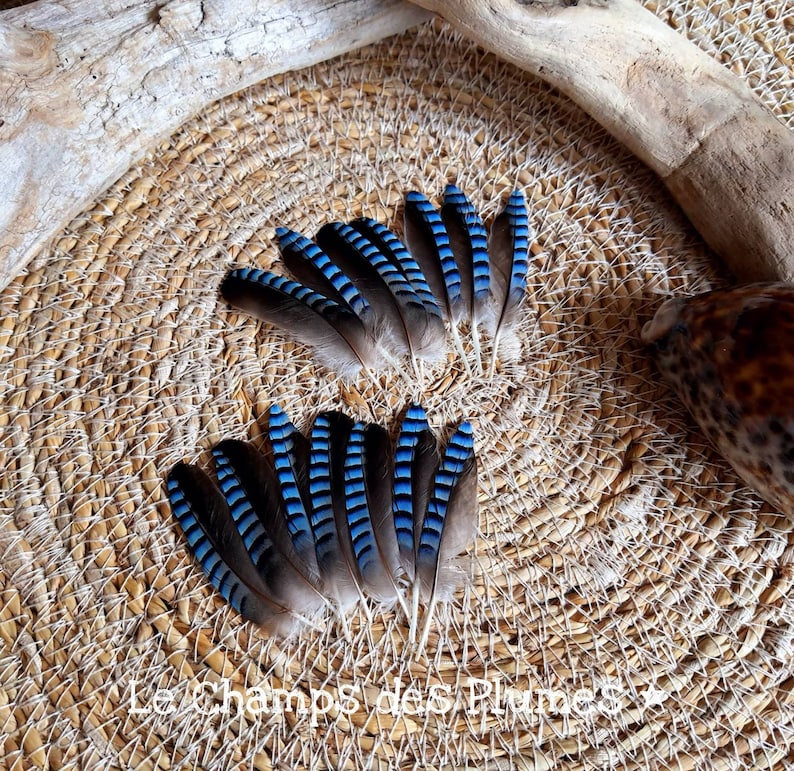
pixel 88 86
pixel 728 162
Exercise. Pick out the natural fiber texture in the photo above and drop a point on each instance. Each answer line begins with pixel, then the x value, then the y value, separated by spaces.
pixel 620 564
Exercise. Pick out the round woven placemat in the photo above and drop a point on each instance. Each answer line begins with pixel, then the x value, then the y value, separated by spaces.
pixel 630 602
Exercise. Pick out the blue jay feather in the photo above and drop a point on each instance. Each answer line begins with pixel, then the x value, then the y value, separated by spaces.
pixel 395 250
pixel 333 518
pixel 312 266
pixel 469 243
pixel 337 335
pixel 450 522
pixel 399 316
pixel 248 483
pixel 328 444
pixel 415 463
pixel 508 247
pixel 368 516
pixel 212 536
pixel 290 462
pixel 428 242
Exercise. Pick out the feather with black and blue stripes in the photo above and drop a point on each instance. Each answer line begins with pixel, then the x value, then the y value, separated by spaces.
pixel 215 541
pixel 427 333
pixel 400 320
pixel 248 481
pixel 338 336
pixel 368 472
pixel 415 462
pixel 449 526
pixel 291 453
pixel 310 265
pixel 468 240
pixel 328 444
pixel 428 241
pixel 508 249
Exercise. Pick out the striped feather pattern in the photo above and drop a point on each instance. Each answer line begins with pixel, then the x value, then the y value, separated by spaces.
pixel 390 274
pixel 457 456
pixel 411 482
pixel 338 336
pixel 375 576
pixel 461 217
pixel 257 542
pixel 289 475
pixel 314 300
pixel 428 241
pixel 396 252
pixel 311 265
pixel 332 518
pixel 221 576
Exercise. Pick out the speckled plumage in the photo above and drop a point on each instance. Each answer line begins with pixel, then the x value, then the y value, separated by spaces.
pixel 729 354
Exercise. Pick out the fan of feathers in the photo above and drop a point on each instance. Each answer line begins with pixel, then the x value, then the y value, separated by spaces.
pixel 345 515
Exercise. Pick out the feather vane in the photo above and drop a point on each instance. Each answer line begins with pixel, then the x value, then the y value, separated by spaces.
pixel 450 522
pixel 337 335
pixel 312 266
pixel 509 255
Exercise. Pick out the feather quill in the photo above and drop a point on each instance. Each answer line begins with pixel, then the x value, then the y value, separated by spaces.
pixel 415 463
pixel 469 243
pixel 450 523
pixel 508 248
pixel 368 473
pixel 399 315
pixel 213 538
pixel 328 442
pixel 337 335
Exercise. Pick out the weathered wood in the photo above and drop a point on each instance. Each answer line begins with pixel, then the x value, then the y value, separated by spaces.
pixel 726 159
pixel 88 86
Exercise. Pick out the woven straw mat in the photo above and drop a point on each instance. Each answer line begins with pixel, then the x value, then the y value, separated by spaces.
pixel 628 603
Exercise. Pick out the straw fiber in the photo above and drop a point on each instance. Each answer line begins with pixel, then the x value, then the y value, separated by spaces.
pixel 630 602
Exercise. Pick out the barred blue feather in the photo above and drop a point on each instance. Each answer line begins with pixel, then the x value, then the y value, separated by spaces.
pixel 469 242
pixel 311 265
pixel 509 254
pixel 395 250
pixel 338 336
pixel 415 463
pixel 398 310
pixel 220 574
pixel 257 542
pixel 290 465
pixel 450 522
pixel 328 443
pixel 216 544
pixel 428 241
pixel 367 520
pixel 248 482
